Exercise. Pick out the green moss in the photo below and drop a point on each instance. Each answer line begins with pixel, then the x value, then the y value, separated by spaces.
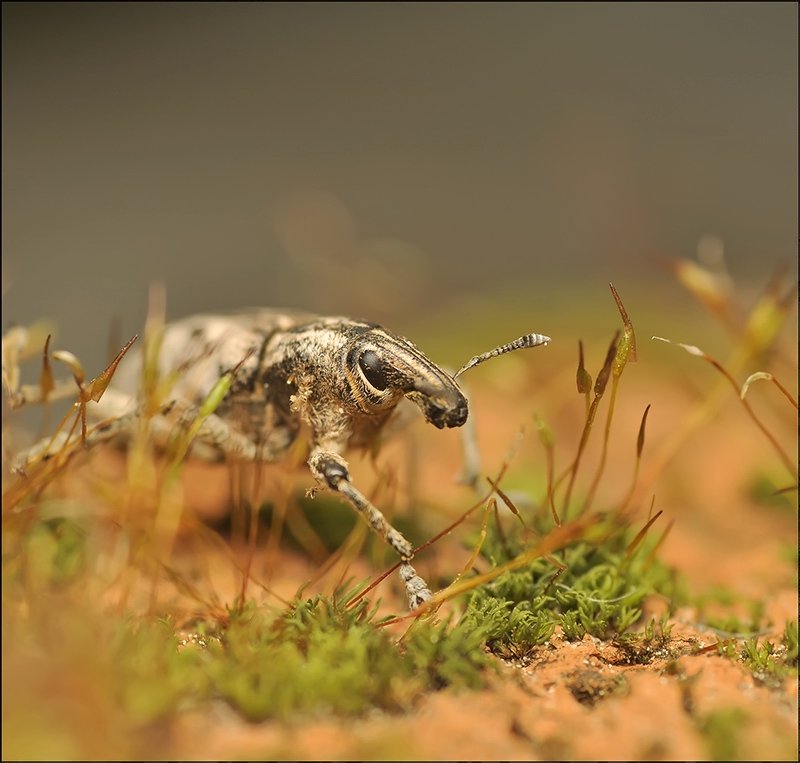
pixel 132 677
pixel 320 656
pixel 599 591
pixel 652 643
pixel 772 663
pixel 789 642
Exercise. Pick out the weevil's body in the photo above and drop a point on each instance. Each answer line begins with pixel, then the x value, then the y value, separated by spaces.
pixel 339 379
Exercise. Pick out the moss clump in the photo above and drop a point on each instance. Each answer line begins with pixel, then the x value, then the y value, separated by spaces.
pixel 130 675
pixel 321 656
pixel 599 590
pixel 772 663
pixel 652 643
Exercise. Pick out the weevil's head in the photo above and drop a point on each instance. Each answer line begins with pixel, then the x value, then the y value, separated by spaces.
pixel 382 366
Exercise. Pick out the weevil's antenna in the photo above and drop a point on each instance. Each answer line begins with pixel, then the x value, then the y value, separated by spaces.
pixel 529 340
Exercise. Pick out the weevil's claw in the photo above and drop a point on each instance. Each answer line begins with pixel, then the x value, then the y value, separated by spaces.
pixel 416 588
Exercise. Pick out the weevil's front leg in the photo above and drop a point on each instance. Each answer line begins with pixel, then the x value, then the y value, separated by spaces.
pixel 331 470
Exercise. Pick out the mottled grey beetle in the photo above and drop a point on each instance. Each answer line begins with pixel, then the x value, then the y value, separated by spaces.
pixel 340 379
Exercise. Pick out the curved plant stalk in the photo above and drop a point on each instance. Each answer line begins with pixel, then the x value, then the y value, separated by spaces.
pixel 697 352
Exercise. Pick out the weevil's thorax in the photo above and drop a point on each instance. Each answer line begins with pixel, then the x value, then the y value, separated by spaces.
pixel 307 371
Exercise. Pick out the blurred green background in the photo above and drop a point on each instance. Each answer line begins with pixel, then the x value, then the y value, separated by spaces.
pixel 386 160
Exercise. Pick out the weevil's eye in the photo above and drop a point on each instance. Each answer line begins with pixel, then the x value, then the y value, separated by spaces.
pixel 371 367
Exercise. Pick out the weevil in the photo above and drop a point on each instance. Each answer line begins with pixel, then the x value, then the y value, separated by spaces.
pixel 338 381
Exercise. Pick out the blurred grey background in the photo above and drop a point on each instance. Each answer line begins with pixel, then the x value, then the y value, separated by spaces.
pixel 383 160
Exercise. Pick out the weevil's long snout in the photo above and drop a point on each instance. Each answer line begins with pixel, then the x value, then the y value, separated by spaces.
pixel 447 411
pixel 442 402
